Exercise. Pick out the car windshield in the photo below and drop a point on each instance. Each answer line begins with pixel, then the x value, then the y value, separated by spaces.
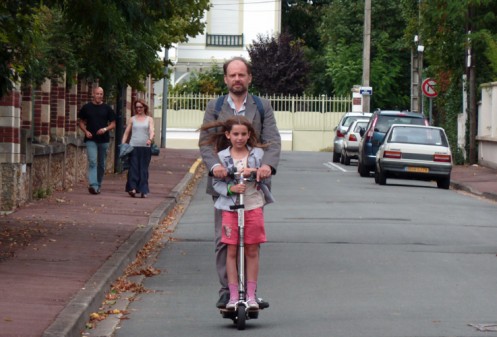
pixel 349 120
pixel 360 125
pixel 425 136
pixel 384 122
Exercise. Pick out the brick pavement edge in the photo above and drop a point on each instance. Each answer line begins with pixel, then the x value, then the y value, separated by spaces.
pixel 72 319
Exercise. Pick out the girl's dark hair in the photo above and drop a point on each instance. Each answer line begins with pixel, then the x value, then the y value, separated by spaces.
pixel 217 133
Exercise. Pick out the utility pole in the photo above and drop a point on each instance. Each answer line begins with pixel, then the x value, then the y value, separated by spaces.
pixel 471 71
pixel 420 50
pixel 366 54
pixel 165 83
pixel 417 76
pixel 417 70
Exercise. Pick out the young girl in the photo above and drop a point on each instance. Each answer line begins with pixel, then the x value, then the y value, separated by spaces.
pixel 238 148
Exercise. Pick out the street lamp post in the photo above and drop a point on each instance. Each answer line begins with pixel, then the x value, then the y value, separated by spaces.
pixel 420 50
pixel 417 76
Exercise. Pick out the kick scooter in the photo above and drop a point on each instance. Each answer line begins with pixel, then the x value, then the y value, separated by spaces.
pixel 241 313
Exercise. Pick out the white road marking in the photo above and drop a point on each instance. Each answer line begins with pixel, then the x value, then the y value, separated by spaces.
pixel 334 167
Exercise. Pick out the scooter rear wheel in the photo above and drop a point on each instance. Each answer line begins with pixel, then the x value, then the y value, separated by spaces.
pixel 241 316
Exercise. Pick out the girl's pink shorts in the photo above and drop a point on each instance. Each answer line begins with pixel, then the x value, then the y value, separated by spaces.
pixel 254 227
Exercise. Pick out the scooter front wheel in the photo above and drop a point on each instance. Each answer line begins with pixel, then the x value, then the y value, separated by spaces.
pixel 241 316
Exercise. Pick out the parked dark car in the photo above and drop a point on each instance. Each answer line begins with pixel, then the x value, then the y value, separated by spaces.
pixel 372 136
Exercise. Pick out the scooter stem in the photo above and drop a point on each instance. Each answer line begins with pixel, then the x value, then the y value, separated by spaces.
pixel 241 245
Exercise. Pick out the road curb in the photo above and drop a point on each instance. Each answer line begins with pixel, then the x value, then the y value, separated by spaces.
pixel 461 187
pixel 72 319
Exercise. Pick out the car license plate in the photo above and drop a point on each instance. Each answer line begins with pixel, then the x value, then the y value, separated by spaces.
pixel 417 169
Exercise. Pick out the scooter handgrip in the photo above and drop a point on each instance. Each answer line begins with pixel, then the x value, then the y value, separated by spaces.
pixel 237 207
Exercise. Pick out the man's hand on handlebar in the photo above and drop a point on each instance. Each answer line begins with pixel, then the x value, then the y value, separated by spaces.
pixel 263 172
pixel 219 172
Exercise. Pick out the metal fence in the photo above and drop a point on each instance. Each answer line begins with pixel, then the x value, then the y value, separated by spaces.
pixel 306 122
pixel 322 104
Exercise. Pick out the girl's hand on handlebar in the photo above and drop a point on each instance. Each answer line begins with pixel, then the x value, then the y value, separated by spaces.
pixel 247 172
pixel 238 188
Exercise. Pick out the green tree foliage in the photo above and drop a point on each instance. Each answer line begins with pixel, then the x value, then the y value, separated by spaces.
pixel 119 43
pixel 342 31
pixel 18 42
pixel 208 82
pixel 279 66
pixel 114 41
pixel 491 52
pixel 302 19
pixel 445 31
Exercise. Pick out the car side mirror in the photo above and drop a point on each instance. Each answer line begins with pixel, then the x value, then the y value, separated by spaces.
pixel 362 131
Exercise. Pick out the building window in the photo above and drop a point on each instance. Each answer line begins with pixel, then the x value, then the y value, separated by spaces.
pixel 218 40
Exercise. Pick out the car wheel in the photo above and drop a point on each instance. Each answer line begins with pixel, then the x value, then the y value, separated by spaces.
pixel 443 183
pixel 336 157
pixel 345 159
pixel 376 177
pixel 382 177
pixel 363 171
pixel 342 158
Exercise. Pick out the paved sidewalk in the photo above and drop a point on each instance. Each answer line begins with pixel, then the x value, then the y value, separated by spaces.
pixel 475 179
pixel 58 256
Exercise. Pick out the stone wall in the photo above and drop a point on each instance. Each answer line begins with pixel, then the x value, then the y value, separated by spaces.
pixel 13 185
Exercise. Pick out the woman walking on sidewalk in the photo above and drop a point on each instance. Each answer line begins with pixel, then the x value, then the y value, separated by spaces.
pixel 141 127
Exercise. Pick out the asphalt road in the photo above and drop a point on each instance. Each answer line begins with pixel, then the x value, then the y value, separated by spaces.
pixel 345 257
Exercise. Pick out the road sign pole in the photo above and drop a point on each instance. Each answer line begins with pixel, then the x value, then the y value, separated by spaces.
pixel 431 107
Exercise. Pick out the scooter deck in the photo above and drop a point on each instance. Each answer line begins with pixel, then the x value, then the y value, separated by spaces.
pixel 231 313
pixel 233 310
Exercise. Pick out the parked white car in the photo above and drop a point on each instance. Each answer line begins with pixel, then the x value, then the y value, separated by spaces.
pixel 351 139
pixel 414 152
pixel 341 128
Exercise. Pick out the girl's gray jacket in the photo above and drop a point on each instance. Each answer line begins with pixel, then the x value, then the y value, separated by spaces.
pixel 221 185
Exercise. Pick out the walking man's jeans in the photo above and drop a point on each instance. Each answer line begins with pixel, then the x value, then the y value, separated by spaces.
pixel 97 153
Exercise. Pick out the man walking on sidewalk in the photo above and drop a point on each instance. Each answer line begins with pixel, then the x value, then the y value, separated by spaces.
pixel 96 119
pixel 238 76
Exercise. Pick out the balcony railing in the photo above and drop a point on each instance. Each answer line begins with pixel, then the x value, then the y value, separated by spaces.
pixel 219 40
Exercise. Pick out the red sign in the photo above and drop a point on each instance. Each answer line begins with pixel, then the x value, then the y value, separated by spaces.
pixel 428 88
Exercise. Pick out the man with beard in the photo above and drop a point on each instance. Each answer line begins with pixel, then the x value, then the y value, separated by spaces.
pixel 238 76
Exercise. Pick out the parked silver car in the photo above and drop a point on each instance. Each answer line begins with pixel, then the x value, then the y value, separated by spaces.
pixel 342 127
pixel 414 152
pixel 351 139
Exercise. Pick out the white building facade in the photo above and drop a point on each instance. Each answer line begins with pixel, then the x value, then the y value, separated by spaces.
pixel 231 26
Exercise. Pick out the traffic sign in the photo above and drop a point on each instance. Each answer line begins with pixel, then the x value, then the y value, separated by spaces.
pixel 428 88
pixel 366 91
